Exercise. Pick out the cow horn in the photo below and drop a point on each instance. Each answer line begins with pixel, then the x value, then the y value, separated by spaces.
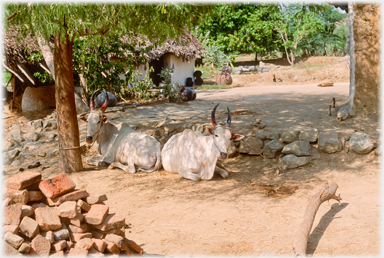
pixel 229 118
pixel 213 116
pixel 92 102
pixel 105 105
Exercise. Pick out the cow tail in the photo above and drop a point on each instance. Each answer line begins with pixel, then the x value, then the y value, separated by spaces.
pixel 156 166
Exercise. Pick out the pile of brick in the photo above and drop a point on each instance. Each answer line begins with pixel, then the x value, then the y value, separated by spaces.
pixel 52 217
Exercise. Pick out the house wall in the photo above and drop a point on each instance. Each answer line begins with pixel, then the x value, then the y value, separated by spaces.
pixel 181 69
pixel 141 68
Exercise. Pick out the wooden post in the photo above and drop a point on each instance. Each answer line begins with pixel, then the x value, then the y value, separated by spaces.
pixel 13 83
pixel 329 111
pixel 334 102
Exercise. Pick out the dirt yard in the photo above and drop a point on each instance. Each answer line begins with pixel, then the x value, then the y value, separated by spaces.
pixel 253 211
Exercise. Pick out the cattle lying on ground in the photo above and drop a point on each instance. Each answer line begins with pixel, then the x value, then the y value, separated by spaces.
pixel 194 156
pixel 119 145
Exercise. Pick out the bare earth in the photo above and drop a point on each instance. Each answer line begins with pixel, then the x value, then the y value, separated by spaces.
pixel 253 211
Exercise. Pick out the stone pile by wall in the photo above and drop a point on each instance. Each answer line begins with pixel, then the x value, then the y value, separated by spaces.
pixel 53 217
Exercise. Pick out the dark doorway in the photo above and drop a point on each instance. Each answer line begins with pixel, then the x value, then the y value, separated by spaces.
pixel 157 66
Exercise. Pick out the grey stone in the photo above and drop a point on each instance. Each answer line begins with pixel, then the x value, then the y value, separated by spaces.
pixel 298 148
pixel 40 153
pixel 31 136
pixel 52 153
pixel 10 155
pixel 329 142
pixel 61 234
pixel 271 148
pixel 268 135
pixel 378 151
pixel 290 136
pixel 32 146
pixel 47 137
pixel 16 163
pixel 255 142
pixel 309 135
pixel 15 135
pixel 38 124
pixel 360 143
pixel 291 161
pixel 26 154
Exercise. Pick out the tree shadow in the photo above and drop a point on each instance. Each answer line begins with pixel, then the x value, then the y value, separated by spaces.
pixel 318 232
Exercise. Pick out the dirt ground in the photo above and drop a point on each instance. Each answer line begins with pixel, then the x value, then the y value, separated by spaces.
pixel 253 211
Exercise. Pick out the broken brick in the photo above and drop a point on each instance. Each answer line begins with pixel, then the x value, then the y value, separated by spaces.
pixel 49 236
pixel 22 180
pixel 111 221
pixel 29 227
pixel 35 196
pixel 82 229
pixel 75 237
pixel 83 205
pixel 117 240
pixel 57 185
pixel 24 248
pixel 27 211
pixel 133 246
pixel 14 229
pixel 111 247
pixel 59 246
pixel 77 220
pixel 99 244
pixel 13 239
pixel 12 214
pixel 40 245
pixel 67 209
pixel 96 214
pixel 95 198
pixel 72 196
pixel 47 218
pixel 17 196
pixel 77 252
pixel 85 243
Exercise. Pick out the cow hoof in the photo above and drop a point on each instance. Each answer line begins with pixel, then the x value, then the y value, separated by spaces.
pixel 112 166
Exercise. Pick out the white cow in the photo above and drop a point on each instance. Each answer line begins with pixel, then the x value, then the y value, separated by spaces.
pixel 194 156
pixel 120 145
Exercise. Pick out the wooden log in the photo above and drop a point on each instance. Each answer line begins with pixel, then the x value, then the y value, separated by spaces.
pixel 330 110
pixel 301 239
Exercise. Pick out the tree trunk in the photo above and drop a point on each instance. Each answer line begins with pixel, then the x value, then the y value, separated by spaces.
pixel 47 54
pixel 256 58
pixel 301 239
pixel 67 126
pixel 352 54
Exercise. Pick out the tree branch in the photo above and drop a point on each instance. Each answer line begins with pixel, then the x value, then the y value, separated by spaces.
pixel 11 16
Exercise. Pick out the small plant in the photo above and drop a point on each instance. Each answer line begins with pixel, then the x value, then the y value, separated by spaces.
pixel 45 77
pixel 166 74
pixel 172 92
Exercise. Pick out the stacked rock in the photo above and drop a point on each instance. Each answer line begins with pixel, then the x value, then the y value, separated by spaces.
pixel 52 217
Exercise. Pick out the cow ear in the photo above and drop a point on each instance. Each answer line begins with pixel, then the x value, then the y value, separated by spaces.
pixel 105 119
pixel 237 137
pixel 83 118
pixel 210 130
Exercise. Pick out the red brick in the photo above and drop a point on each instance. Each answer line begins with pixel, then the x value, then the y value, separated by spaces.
pixel 29 227
pixel 23 180
pixel 111 247
pixel 12 214
pixel 57 185
pixel 75 237
pixel 59 253
pixel 99 244
pixel 125 248
pixel 40 245
pixel 24 248
pixel 34 187
pixel 13 239
pixel 77 252
pixel 77 220
pixel 59 246
pixel 112 221
pixel 14 229
pixel 96 198
pixel 82 229
pixel 94 252
pixel 72 196
pixel 70 244
pixel 38 205
pixel 67 209
pixel 83 205
pixel 133 246
pixel 96 214
pixel 17 196
pixel 47 218
pixel 117 231
pixel 35 196
pixel 27 211
pixel 97 234
pixel 85 243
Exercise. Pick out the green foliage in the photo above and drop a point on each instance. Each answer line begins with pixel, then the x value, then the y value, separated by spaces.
pixel 138 89
pixel 214 87
pixel 215 58
pixel 44 77
pixel 166 74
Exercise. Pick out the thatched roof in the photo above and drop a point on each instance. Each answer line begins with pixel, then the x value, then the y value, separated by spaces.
pixel 186 46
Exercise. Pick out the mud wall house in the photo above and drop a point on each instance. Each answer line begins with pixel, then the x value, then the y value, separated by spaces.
pixel 28 93
pixel 179 54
